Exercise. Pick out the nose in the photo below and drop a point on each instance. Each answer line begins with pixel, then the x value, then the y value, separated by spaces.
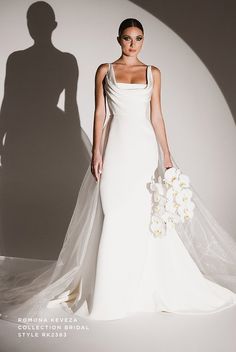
pixel 132 43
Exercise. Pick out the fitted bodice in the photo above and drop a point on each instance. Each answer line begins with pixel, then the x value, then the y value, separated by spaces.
pixel 128 99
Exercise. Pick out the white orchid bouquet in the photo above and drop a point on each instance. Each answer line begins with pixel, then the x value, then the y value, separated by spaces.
pixel 172 201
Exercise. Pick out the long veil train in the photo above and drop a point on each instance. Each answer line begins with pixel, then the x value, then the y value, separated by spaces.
pixel 27 292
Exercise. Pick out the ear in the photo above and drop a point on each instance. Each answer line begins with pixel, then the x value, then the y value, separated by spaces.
pixel 118 39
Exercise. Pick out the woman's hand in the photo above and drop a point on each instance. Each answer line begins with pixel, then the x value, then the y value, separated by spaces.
pixel 96 165
pixel 167 161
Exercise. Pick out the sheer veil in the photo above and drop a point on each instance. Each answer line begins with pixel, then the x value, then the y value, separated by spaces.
pixel 27 285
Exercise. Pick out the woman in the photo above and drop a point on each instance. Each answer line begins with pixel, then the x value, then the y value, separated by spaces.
pixel 111 265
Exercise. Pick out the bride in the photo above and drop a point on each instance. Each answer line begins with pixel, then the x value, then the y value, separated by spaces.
pixel 111 264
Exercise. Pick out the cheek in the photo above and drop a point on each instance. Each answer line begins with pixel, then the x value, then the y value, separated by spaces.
pixel 125 45
pixel 139 45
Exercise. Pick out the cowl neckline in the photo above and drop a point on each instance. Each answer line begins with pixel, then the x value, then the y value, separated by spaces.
pixel 123 85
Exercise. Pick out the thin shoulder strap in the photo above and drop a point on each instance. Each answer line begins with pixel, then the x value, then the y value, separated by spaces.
pixel 150 76
pixel 111 72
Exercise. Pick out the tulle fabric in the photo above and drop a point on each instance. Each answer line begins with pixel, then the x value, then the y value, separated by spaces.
pixel 28 285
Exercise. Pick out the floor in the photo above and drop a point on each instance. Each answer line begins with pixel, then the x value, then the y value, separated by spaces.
pixel 162 332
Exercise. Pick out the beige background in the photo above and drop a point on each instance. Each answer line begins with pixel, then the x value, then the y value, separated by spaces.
pixel 200 125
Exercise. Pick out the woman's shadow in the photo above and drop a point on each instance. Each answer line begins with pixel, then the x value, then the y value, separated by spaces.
pixel 43 154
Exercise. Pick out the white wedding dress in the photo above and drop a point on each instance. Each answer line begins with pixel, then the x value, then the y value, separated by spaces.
pixel 111 265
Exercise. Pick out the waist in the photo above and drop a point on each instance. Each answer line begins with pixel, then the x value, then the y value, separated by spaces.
pixel 143 115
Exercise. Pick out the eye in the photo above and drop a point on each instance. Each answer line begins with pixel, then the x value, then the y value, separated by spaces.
pixel 126 37
pixel 139 38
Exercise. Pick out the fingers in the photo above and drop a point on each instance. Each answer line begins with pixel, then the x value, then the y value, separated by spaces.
pixel 96 169
pixel 100 168
pixel 96 173
pixel 92 169
pixel 168 167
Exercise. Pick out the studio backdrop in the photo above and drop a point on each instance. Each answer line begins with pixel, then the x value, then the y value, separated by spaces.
pixel 46 158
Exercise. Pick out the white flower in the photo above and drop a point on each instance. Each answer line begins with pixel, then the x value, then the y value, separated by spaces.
pixel 157 186
pixel 170 193
pixel 186 210
pixel 153 186
pixel 157 227
pixel 170 219
pixel 185 213
pixel 170 206
pixel 184 196
pixel 158 197
pixel 167 216
pixel 171 175
pixel 184 180
pixel 158 210
pixel 171 201
pixel 176 186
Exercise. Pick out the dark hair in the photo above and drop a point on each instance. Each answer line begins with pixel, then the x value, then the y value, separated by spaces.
pixel 129 22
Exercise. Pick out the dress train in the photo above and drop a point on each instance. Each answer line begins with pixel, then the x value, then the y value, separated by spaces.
pixel 110 265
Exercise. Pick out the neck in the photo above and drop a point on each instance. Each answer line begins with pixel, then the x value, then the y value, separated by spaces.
pixel 129 60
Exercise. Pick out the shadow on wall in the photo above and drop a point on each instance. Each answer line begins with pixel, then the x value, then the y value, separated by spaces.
pixel 43 156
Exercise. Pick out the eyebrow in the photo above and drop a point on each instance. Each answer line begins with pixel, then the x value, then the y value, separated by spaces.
pixel 127 35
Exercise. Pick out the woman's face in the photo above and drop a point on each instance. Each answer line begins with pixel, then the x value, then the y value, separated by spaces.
pixel 131 41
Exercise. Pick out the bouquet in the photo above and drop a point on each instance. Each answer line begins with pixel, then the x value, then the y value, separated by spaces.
pixel 172 201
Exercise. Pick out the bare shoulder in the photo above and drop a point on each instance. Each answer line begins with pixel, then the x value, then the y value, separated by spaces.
pixel 156 72
pixel 102 69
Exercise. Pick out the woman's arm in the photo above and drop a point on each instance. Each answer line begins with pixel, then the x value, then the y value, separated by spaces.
pixel 156 117
pixel 99 117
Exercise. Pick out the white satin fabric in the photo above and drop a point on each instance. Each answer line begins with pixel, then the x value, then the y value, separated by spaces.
pixel 110 265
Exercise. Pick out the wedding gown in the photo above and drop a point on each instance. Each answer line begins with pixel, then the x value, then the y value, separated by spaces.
pixel 110 264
